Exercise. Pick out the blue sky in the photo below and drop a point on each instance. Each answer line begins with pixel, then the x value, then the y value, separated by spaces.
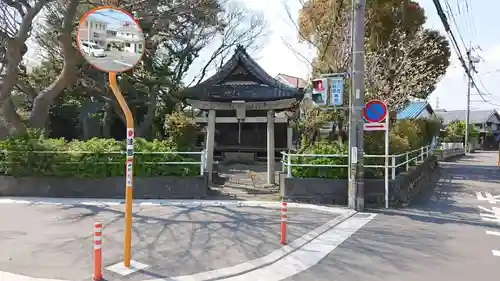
pixel 113 17
pixel 479 25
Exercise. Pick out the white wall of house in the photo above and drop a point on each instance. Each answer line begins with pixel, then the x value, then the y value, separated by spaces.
pixel 96 29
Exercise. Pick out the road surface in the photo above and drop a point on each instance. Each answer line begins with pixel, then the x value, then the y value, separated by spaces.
pixel 114 61
pixel 55 241
pixel 449 235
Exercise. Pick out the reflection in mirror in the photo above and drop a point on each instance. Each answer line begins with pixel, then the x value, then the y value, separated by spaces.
pixel 110 39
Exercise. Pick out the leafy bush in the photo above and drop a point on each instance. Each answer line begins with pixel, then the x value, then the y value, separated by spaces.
pixel 95 158
pixel 322 147
pixel 405 135
pixel 181 130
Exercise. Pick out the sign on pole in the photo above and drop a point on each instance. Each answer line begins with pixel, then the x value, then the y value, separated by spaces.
pixel 375 114
pixel 337 90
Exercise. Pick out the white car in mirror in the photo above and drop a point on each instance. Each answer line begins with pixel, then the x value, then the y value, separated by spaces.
pixel 92 49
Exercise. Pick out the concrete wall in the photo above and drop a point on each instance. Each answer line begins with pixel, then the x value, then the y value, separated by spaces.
pixel 335 191
pixel 144 188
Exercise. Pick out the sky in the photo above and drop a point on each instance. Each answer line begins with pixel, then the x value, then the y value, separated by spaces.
pixel 475 25
pixel 475 20
pixel 114 18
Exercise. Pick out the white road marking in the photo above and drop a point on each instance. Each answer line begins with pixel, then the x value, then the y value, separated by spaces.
pixel 123 63
pixel 496 233
pixel 7 276
pixel 297 261
pixel 496 253
pixel 122 270
pixel 166 202
pixel 487 197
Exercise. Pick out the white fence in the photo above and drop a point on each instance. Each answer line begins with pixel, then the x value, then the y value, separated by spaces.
pixel 396 160
pixel 202 154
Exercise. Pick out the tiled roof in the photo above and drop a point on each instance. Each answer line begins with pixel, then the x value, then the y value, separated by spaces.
pixel 476 116
pixel 267 88
pixel 413 110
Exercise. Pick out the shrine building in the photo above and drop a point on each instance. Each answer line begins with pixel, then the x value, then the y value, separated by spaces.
pixel 245 110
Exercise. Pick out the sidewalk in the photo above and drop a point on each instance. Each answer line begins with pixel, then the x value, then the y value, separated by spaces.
pixel 446 235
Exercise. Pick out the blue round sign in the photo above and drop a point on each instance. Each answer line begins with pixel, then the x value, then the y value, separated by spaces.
pixel 375 111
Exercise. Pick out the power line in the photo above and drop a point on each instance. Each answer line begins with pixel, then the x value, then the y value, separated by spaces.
pixel 446 25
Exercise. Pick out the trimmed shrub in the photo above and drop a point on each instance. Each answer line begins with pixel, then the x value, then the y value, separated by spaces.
pixel 322 147
pixel 95 158
pixel 405 135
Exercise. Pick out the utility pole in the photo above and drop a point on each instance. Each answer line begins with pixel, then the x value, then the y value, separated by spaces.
pixel 356 103
pixel 472 68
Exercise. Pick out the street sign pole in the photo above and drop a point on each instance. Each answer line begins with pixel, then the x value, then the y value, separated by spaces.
pixel 375 114
pixel 386 170
pixel 129 170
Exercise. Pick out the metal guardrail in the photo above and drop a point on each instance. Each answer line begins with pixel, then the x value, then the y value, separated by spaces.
pixel 202 162
pixel 409 157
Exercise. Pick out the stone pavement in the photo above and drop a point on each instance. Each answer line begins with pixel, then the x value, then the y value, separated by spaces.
pixel 450 234
pixel 42 239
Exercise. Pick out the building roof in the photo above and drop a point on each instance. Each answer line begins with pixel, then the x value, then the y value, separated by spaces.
pixel 242 78
pixel 292 80
pixel 476 116
pixel 414 109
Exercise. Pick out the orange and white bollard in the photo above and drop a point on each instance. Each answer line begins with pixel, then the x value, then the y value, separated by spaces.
pixel 97 251
pixel 283 223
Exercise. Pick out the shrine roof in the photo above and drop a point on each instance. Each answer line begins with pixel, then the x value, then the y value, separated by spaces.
pixel 242 78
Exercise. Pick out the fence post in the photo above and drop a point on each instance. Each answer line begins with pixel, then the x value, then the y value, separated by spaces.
pixel 283 223
pixel 288 166
pixel 393 167
pixel 422 154
pixel 202 162
pixel 283 160
pixel 407 161
pixel 97 251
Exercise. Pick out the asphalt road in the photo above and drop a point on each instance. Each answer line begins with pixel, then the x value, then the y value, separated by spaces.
pixel 114 61
pixel 47 241
pixel 442 237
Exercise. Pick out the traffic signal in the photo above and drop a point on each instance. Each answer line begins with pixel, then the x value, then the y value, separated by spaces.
pixel 319 90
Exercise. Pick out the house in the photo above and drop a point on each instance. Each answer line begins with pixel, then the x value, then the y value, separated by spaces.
pixel 291 81
pixel 487 122
pixel 416 109
pixel 129 36
pixel 93 30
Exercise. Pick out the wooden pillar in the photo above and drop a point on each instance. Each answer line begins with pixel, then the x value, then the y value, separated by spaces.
pixel 270 147
pixel 210 143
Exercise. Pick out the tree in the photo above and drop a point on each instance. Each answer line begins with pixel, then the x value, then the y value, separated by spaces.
pixel 406 66
pixel 395 41
pixel 16 29
pixel 455 131
pixel 151 88
pixel 403 59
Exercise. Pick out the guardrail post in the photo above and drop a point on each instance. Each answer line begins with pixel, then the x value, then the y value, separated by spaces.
pixel 407 161
pixel 393 167
pixel 202 162
pixel 422 154
pixel 288 166
pixel 283 158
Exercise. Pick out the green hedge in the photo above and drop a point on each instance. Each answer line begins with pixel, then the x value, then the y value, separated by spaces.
pixel 95 158
pixel 406 135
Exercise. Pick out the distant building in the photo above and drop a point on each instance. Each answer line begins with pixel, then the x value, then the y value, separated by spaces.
pixel 128 38
pixel 291 81
pixel 94 31
pixel 416 109
pixel 487 122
